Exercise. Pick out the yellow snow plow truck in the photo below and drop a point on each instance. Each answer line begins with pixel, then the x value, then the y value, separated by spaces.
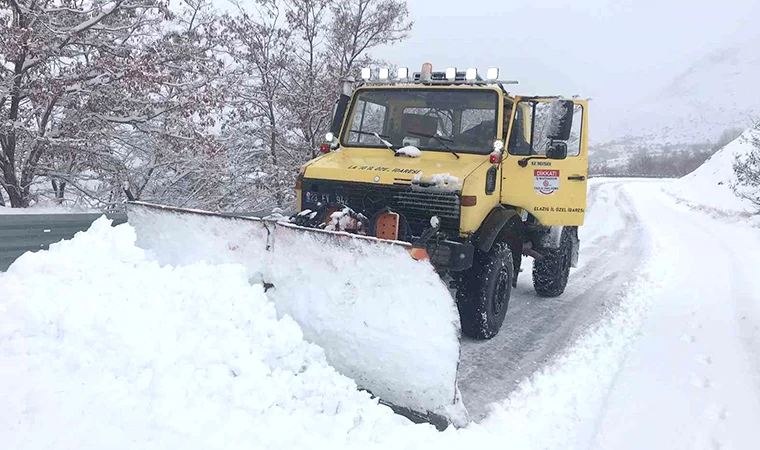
pixel 428 183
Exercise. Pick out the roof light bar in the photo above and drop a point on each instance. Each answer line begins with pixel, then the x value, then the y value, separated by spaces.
pixel 492 74
pixel 471 74
pixel 403 73
pixel 383 74
pixel 451 73
pixel 366 73
pixel 427 72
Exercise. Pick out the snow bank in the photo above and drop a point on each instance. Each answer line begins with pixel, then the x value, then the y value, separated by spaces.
pixel 690 380
pixel 384 319
pixel 709 187
pixel 101 347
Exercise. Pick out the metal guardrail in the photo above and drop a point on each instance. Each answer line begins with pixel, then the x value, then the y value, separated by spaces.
pixel 24 232
pixel 20 233
pixel 617 175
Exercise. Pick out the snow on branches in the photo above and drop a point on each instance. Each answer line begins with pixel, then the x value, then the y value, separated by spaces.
pixel 190 106
pixel 747 168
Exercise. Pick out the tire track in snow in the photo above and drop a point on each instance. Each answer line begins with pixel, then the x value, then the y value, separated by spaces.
pixel 537 330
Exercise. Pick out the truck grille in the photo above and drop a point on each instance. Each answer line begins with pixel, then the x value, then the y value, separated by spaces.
pixel 417 206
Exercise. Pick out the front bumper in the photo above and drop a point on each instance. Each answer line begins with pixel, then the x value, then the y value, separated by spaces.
pixel 449 255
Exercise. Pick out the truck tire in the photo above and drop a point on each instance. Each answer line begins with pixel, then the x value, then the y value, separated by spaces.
pixel 551 273
pixel 483 292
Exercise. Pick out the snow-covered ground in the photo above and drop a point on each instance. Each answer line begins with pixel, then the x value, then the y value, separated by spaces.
pixel 692 377
pixel 100 347
pixel 709 188
pixel 110 349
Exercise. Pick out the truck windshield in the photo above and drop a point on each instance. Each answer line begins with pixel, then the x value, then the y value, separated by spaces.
pixel 464 120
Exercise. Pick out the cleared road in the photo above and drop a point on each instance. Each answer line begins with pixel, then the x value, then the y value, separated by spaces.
pixel 613 246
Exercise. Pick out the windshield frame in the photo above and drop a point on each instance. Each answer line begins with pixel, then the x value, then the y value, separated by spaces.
pixel 346 129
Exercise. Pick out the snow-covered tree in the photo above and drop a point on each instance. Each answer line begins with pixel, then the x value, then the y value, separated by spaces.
pixel 358 26
pixel 187 106
pixel 80 78
pixel 311 82
pixel 289 58
pixel 747 169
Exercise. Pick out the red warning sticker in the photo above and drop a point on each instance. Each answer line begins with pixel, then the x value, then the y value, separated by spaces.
pixel 546 181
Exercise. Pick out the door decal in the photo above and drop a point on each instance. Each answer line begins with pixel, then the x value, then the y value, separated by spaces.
pixel 545 181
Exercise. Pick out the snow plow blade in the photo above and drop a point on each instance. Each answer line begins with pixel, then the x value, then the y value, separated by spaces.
pixel 383 318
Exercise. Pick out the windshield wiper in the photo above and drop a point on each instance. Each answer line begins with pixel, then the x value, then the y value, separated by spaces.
pixel 438 138
pixel 386 143
pixel 381 137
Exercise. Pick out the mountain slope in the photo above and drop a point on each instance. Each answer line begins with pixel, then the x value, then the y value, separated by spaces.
pixel 717 92
pixel 709 187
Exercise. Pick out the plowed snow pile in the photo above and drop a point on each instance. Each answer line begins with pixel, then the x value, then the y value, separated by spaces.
pixel 100 347
pixel 103 347
pixel 709 187
pixel 384 320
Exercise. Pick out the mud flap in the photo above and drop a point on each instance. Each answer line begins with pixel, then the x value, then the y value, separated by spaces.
pixel 383 319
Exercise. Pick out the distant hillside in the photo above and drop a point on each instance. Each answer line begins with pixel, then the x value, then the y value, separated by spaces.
pixel 720 91
pixel 710 185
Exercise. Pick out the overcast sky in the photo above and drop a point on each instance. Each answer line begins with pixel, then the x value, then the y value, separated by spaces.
pixel 602 49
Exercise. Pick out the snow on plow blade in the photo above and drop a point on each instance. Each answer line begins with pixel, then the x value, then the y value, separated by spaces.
pixel 383 319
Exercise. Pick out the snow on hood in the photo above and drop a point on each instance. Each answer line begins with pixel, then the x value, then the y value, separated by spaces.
pixel 410 151
pixel 438 181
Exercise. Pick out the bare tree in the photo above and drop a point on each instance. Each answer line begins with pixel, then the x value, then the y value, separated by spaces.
pixel 358 26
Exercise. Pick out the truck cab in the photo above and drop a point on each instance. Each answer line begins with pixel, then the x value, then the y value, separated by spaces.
pixel 469 174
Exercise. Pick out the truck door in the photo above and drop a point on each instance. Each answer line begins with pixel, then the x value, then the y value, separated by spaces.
pixel 537 175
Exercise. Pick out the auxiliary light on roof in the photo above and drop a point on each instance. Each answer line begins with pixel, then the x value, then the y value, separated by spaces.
pixel 471 75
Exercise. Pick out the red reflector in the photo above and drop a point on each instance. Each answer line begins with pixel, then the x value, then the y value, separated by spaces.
pixel 324 148
pixel 298 185
pixel 469 200
pixel 419 253
pixel 495 159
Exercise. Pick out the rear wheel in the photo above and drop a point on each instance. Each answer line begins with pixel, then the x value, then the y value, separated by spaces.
pixel 551 273
pixel 484 290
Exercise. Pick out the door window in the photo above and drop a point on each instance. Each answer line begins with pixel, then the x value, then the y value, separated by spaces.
pixel 533 124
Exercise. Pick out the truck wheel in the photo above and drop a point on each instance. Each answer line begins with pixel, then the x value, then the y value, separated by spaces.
pixel 484 290
pixel 551 273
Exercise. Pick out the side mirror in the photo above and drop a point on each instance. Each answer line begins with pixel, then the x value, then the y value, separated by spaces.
pixel 561 120
pixel 557 150
pixel 338 113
